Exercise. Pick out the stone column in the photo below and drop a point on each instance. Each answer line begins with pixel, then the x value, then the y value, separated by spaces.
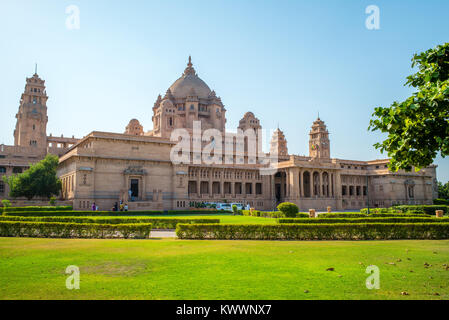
pixel 311 183
pixel 210 183
pixel 321 193
pixel 338 190
pixel 294 183
pixel 302 183
pixel 222 178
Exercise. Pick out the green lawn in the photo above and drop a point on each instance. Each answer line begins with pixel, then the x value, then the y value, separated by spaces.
pixel 178 269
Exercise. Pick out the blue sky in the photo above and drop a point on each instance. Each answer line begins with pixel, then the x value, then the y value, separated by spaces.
pixel 283 60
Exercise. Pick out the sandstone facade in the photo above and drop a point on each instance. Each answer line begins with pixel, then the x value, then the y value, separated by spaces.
pixel 137 168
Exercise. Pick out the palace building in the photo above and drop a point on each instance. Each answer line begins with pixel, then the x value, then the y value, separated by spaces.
pixel 136 166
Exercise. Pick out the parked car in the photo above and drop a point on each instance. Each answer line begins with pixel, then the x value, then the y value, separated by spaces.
pixel 224 206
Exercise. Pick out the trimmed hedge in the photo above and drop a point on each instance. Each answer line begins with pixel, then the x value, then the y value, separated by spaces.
pixel 36 208
pixel 56 213
pixel 157 223
pixel 205 211
pixel 430 210
pixel 350 231
pixel 379 210
pixel 362 215
pixel 106 213
pixel 443 202
pixel 74 230
pixel 342 215
pixel 271 214
pixel 424 219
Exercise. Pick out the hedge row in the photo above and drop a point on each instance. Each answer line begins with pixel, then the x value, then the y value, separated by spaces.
pixel 362 215
pixel 380 210
pixel 36 208
pixel 271 214
pixel 430 210
pixel 350 231
pixel 443 202
pixel 74 230
pixel 105 213
pixel 424 219
pixel 205 211
pixel 57 213
pixel 342 215
pixel 157 223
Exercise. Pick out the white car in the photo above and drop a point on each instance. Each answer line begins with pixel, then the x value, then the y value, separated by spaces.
pixel 224 206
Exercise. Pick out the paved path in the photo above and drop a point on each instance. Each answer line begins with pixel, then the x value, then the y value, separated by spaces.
pixel 163 234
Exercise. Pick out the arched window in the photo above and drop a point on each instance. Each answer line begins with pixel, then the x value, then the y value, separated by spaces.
pixel 2 170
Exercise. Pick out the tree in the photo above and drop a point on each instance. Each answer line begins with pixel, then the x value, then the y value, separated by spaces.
pixel 6 203
pixel 418 128
pixel 234 210
pixel 39 180
pixel 288 209
pixel 443 190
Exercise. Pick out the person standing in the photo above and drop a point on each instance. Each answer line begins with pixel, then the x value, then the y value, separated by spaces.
pixel 94 207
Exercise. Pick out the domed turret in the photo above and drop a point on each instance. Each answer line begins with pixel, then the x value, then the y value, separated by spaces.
pixel 188 81
pixel 134 128
pixel 188 99
pixel 278 145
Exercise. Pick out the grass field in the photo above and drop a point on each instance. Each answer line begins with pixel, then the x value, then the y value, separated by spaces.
pixel 178 269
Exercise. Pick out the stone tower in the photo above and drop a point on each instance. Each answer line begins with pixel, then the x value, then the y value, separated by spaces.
pixel 319 143
pixel 31 125
pixel 250 122
pixel 278 144
pixel 134 128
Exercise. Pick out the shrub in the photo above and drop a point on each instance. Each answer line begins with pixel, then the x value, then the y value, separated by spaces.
pixel 342 215
pixel 6 203
pixel 288 209
pixel 74 230
pixel 424 219
pixel 199 211
pixel 362 215
pixel 408 214
pixel 82 213
pixel 443 202
pixel 57 213
pixel 157 223
pixel 38 208
pixel 52 201
pixel 427 209
pixel 234 210
pixel 380 210
pixel 350 231
pixel 271 214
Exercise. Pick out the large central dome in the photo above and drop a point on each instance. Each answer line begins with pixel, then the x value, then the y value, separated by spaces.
pixel 182 87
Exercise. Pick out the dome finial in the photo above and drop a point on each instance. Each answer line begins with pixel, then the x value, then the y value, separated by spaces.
pixel 189 70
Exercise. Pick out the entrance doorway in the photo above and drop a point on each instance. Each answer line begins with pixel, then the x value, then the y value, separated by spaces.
pixel 134 189
pixel 278 193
